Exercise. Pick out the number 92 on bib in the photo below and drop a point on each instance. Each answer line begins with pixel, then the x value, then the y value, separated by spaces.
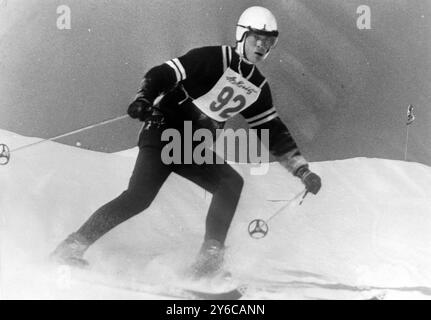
pixel 231 94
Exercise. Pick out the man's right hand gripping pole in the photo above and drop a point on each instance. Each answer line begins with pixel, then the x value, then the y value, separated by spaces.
pixel 140 108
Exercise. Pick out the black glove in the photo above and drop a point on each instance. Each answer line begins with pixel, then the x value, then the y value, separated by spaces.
pixel 141 108
pixel 311 180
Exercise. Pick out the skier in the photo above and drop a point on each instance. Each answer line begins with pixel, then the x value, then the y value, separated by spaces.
pixel 206 86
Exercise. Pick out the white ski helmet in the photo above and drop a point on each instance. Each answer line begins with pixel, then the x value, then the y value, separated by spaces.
pixel 259 20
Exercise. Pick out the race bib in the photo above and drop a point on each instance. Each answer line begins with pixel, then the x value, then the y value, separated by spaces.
pixel 231 94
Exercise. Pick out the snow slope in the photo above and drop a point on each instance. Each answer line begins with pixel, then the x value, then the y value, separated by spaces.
pixel 365 233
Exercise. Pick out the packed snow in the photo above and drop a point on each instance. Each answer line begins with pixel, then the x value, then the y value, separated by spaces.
pixel 366 233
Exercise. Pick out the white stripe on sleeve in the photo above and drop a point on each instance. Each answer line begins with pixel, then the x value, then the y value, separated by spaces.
pixel 177 72
pixel 180 68
pixel 263 114
pixel 266 119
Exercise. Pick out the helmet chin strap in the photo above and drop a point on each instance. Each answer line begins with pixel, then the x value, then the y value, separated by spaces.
pixel 266 54
pixel 240 49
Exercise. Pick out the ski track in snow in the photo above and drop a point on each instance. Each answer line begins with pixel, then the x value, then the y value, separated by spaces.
pixel 365 235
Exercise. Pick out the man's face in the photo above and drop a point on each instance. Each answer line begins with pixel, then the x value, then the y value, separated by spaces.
pixel 256 46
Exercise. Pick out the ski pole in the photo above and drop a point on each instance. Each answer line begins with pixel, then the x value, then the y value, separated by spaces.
pixel 289 204
pixel 5 152
pixel 258 228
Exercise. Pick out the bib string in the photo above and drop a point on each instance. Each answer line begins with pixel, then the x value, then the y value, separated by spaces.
pixel 240 72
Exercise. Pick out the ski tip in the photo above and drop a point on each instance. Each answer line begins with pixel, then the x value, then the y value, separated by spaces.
pixel 234 294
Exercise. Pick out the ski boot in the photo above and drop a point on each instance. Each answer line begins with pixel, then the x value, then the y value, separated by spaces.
pixel 70 251
pixel 209 260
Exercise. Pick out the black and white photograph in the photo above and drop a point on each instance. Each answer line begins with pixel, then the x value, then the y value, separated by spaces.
pixel 221 150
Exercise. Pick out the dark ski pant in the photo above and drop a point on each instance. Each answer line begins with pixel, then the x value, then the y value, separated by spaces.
pixel 147 178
